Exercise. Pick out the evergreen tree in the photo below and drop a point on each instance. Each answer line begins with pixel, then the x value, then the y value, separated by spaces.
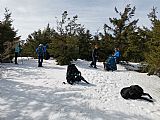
pixel 153 53
pixel 38 37
pixel 65 45
pixel 84 44
pixel 8 38
pixel 123 28
pixel 106 44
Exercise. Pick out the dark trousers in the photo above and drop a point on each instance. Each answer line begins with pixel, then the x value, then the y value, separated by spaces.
pixel 93 63
pixel 117 60
pixel 40 60
pixel 46 56
pixel 16 55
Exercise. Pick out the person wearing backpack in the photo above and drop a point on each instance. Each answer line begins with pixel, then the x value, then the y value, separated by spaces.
pixel 40 51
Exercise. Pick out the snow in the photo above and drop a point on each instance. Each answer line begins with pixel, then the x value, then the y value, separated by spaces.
pixel 28 92
pixel 133 66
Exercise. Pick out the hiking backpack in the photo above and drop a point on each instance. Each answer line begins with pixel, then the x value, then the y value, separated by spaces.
pixel 133 92
pixel 40 50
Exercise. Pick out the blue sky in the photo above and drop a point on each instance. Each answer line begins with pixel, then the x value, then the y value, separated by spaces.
pixel 31 15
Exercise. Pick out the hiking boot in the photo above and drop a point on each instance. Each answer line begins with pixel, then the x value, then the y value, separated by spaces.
pixel 40 66
pixel 90 66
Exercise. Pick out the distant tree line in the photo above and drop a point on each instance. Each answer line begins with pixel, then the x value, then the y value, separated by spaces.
pixel 70 40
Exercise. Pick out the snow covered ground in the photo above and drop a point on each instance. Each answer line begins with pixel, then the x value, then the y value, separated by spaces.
pixel 31 93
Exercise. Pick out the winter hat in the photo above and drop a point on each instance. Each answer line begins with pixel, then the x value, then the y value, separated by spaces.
pixel 40 45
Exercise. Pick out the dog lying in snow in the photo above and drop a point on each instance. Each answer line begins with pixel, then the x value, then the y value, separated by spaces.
pixel 134 92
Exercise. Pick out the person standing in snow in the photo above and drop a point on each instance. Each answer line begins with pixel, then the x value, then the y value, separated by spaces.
pixel 40 51
pixel 94 56
pixel 117 55
pixel 17 52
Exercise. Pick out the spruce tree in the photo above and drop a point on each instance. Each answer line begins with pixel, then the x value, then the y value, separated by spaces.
pixel 65 45
pixel 123 28
pixel 153 53
pixel 84 44
pixel 44 37
pixel 8 37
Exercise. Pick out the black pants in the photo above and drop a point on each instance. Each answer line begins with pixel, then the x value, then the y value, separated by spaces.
pixel 40 60
pixel 16 55
pixel 117 60
pixel 93 63
pixel 46 56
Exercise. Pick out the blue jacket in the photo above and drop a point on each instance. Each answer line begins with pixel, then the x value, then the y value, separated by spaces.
pixel 111 63
pixel 17 48
pixel 40 50
pixel 44 48
pixel 117 54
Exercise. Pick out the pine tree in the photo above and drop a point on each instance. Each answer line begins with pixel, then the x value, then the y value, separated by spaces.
pixel 123 28
pixel 153 53
pixel 65 44
pixel 8 37
pixel 106 44
pixel 38 37
pixel 84 44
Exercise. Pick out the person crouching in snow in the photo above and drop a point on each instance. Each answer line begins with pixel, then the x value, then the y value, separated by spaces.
pixel 110 63
pixel 40 51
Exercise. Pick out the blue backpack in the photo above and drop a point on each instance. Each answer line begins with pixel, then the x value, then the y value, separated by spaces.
pixel 111 63
pixel 40 50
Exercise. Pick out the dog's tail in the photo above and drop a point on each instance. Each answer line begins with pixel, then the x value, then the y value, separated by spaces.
pixel 146 99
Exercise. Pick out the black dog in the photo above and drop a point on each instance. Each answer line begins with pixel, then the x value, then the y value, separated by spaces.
pixel 74 75
pixel 134 92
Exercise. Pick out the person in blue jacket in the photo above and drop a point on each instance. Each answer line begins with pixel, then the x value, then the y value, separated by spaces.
pixel 110 63
pixel 17 52
pixel 40 51
pixel 117 55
